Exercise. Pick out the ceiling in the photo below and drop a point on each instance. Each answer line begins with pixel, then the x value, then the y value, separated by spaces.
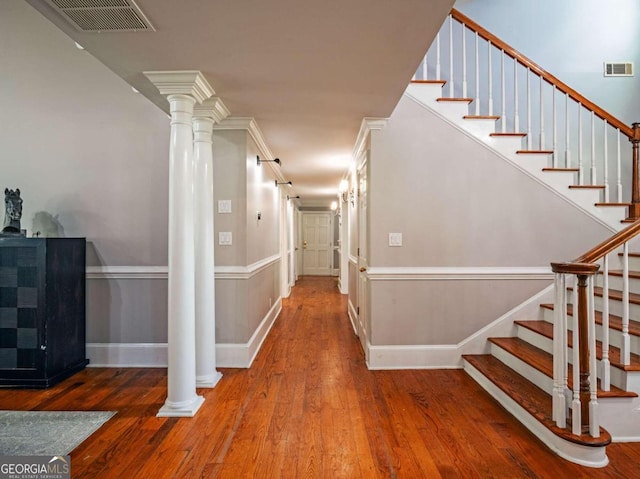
pixel 307 71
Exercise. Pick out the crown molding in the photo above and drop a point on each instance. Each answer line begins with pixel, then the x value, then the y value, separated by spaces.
pixel 367 125
pixel 187 82
pixel 212 108
pixel 251 126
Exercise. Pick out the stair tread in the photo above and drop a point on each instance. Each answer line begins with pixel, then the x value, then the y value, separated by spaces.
pixel 534 152
pixel 481 117
pixel 615 322
pixel 587 187
pixel 530 397
pixel 618 272
pixel 570 170
pixel 507 134
pixel 614 294
pixel 613 204
pixel 468 100
pixel 545 329
pixel 543 362
pixel 441 82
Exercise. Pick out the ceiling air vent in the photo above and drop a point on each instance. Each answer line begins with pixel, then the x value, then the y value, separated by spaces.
pixel 620 69
pixel 103 15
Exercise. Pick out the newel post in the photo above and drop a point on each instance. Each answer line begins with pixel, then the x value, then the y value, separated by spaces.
pixel 583 331
pixel 634 209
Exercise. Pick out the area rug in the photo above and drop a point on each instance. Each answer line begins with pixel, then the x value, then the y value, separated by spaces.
pixel 47 433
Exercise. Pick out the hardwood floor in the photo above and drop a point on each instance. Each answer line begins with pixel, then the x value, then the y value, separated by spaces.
pixel 308 408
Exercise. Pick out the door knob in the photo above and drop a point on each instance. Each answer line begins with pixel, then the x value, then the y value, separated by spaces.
pixel 363 269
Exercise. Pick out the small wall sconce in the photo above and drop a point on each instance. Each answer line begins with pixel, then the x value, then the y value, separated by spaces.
pixel 334 205
pixel 344 186
pixel 283 183
pixel 276 160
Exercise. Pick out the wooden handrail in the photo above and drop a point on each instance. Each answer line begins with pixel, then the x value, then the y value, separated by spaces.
pixel 548 77
pixel 609 245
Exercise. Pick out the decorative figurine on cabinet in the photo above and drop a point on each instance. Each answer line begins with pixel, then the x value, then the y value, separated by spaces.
pixel 13 212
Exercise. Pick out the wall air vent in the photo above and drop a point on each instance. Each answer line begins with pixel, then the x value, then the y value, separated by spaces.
pixel 103 15
pixel 619 69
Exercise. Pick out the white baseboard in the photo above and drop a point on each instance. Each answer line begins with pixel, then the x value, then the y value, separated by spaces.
pixel 242 355
pixel 353 316
pixel 154 355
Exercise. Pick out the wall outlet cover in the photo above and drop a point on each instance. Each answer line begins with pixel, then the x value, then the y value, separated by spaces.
pixel 224 206
pixel 395 239
pixel 225 238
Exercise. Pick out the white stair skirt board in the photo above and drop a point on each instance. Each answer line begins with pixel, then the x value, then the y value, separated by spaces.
pixel 621 418
pixel 583 455
pixel 506 147
pixel 147 355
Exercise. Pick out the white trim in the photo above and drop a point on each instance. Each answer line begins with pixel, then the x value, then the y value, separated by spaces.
pixel 353 259
pixel 242 355
pixel 245 272
pixel 449 356
pixel 161 272
pixel 154 355
pixel 353 316
pixel 464 273
pixel 366 126
pixel 127 272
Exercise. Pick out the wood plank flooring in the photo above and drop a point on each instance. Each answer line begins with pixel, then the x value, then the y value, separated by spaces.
pixel 307 408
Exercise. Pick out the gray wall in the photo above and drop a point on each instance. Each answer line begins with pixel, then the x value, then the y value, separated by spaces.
pixel 457 204
pixel 572 39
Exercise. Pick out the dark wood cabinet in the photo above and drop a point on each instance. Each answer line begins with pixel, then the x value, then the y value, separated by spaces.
pixel 42 310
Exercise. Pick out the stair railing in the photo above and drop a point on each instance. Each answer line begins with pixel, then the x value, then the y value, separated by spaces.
pixel 583 394
pixel 577 134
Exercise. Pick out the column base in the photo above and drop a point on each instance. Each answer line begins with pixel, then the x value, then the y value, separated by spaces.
pixel 184 409
pixel 208 381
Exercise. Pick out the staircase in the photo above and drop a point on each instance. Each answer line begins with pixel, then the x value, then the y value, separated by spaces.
pixel 576 400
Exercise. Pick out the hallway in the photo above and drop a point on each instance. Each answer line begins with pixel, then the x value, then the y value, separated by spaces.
pixel 308 407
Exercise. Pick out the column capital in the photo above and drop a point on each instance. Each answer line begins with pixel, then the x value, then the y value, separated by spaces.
pixel 187 82
pixel 212 108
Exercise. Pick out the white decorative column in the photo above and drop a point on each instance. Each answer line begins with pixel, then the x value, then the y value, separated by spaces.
pixel 183 90
pixel 285 290
pixel 205 115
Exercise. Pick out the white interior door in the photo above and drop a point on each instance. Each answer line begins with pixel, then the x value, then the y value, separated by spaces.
pixel 316 244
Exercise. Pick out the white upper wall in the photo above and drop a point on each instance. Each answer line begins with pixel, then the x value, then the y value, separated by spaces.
pixel 571 39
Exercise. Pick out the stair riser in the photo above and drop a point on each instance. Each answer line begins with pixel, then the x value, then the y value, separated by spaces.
pixel 507 145
pixel 536 377
pixel 452 110
pixel 586 198
pixel 615 336
pixel 426 93
pixel 615 282
pixel 615 307
pixel 479 127
pixel 618 377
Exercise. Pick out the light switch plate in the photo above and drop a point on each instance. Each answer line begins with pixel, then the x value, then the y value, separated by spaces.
pixel 224 206
pixel 225 238
pixel 395 239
